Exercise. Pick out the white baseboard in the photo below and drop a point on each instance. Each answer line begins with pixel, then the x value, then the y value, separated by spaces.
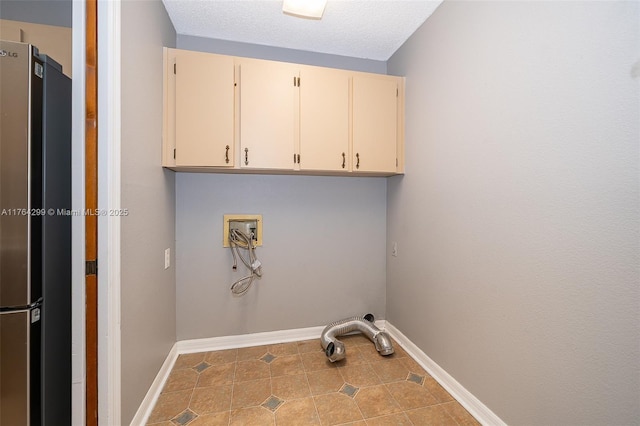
pixel 254 339
pixel 473 405
pixel 149 401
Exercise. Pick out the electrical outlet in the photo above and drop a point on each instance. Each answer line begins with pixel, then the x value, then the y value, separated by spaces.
pixel 167 258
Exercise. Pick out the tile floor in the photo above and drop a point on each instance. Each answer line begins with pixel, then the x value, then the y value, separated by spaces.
pixel 294 384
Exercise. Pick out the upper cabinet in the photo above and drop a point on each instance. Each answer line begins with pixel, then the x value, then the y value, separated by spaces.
pixel 231 114
pixel 324 120
pixel 201 116
pixel 375 124
pixel 268 108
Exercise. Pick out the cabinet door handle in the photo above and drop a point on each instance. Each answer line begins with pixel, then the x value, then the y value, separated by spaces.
pixel 344 160
pixel 357 160
pixel 226 155
pixel 298 158
pixel 246 156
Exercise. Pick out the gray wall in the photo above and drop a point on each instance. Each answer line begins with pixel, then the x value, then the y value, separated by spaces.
pixel 323 255
pixel 324 237
pixel 234 48
pixel 148 191
pixel 47 12
pixel 517 220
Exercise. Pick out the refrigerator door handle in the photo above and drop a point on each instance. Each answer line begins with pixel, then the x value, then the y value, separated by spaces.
pixel 36 304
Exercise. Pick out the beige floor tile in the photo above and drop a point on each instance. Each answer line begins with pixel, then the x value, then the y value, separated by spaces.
pixel 436 390
pixel 398 351
pixel 211 400
pixel 286 365
pixel 181 380
pixel 253 416
pixel 290 348
pixel 249 394
pixel 435 415
pixel 217 375
pixel 371 355
pixel 309 346
pixel 325 381
pixel 353 356
pixel 410 395
pixel 375 401
pixel 215 419
pixel 314 361
pixel 390 371
pixel 399 419
pixel 233 388
pixel 336 408
pixel 413 366
pixel 170 405
pixel 188 360
pixel 352 340
pixel 251 370
pixel 290 387
pixel 254 352
pixel 459 414
pixel 297 412
pixel 360 375
pixel 221 357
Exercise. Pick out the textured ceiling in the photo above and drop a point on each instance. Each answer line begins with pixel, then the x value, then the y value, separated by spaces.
pixel 370 29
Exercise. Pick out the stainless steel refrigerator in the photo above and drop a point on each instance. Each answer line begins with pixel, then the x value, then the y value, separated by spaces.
pixel 35 238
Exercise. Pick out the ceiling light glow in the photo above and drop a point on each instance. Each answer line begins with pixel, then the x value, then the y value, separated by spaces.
pixel 310 9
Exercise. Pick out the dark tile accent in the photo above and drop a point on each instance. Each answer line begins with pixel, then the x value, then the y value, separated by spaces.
pixel 201 367
pixel 349 390
pixel 272 403
pixel 184 418
pixel 268 358
pixel 415 378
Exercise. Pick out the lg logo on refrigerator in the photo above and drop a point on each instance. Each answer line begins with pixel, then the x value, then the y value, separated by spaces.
pixel 4 53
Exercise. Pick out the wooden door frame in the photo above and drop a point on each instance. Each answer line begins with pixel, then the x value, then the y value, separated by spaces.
pixel 91 221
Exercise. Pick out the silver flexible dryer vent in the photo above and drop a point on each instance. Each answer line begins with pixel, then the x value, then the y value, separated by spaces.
pixel 334 348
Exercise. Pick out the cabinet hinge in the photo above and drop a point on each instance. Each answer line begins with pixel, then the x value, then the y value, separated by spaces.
pixel 174 153
pixel 91 267
pixel 174 68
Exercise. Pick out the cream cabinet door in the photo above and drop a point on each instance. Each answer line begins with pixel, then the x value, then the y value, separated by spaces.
pixel 268 114
pixel 204 109
pixel 375 100
pixel 324 119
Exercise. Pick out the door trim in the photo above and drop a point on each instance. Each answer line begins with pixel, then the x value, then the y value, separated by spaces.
pixel 109 366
